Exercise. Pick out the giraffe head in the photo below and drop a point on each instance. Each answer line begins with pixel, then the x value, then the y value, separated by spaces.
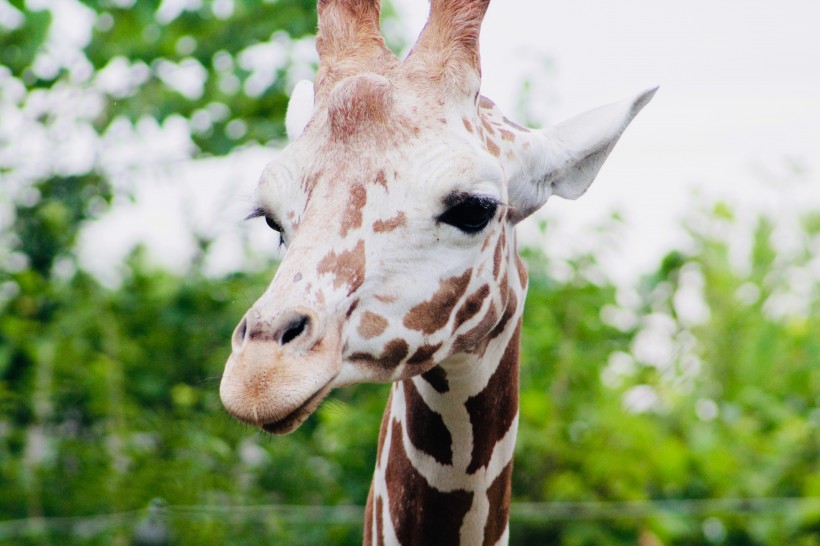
pixel 397 200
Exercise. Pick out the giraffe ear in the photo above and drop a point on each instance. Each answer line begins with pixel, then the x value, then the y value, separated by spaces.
pixel 300 109
pixel 565 159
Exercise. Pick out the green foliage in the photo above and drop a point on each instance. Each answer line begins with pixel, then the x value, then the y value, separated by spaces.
pixel 19 46
pixel 212 42
pixel 734 407
pixel 140 46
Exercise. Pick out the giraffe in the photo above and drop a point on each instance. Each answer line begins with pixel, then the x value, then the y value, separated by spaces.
pixel 397 200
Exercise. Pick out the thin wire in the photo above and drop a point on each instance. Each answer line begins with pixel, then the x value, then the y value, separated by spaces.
pixel 90 524
pixel 353 514
pixel 676 507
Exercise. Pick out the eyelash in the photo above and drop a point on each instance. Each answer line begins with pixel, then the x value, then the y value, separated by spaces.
pixel 273 224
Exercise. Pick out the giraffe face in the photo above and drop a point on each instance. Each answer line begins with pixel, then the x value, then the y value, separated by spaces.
pixel 398 251
pixel 397 204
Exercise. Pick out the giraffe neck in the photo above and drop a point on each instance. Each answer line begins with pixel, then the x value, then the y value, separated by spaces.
pixel 444 464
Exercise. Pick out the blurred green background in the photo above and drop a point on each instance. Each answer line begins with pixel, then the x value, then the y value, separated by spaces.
pixel 682 410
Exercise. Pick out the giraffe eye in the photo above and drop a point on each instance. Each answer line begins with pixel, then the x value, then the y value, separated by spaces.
pixel 277 228
pixel 471 214
pixel 272 224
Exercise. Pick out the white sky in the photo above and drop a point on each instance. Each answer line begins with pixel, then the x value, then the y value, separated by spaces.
pixel 739 102
pixel 739 97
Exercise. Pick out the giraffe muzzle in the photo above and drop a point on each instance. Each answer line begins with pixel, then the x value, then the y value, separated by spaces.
pixel 280 370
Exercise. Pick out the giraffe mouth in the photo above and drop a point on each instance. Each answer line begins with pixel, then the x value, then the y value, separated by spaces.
pixel 292 420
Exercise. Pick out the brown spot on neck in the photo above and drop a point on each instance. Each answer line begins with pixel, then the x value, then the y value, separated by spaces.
pixel 394 353
pixel 498 255
pixel 493 410
pixel 368 519
pixel 437 378
pixel 498 494
pixel 510 308
pixel 432 315
pixel 474 339
pixel 380 522
pixel 471 306
pixel 522 270
pixel 383 427
pixel 426 427
pixel 422 515
pixel 506 290
pixel 424 355
pixel 373 512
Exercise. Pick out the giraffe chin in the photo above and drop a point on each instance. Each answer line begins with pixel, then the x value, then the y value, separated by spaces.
pixel 276 399
pixel 295 418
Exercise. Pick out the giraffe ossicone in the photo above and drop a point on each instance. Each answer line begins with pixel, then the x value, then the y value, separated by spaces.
pixel 397 199
pixel 300 109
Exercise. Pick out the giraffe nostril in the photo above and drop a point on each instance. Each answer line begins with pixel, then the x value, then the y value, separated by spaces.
pixel 240 332
pixel 294 329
